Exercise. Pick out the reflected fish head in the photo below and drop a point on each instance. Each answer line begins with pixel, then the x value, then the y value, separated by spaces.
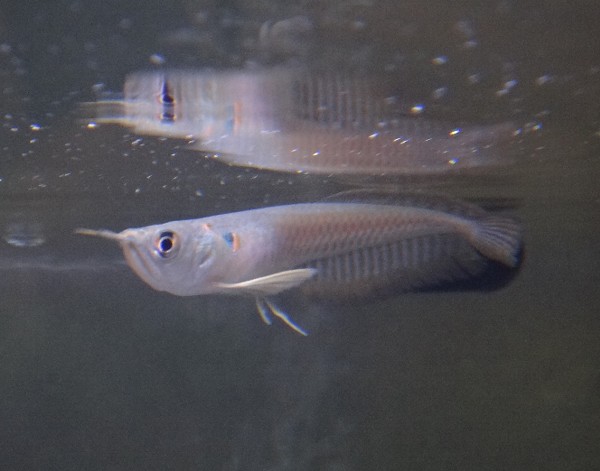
pixel 180 257
pixel 177 104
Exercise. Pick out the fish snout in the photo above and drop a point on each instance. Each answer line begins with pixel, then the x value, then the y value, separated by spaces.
pixel 102 233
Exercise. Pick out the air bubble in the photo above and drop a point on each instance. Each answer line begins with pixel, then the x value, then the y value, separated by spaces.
pixel 439 60
pixel 417 109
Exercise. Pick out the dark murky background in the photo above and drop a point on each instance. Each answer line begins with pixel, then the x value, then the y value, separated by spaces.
pixel 97 371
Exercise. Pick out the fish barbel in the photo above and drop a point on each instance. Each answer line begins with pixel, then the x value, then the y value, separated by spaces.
pixel 291 120
pixel 334 248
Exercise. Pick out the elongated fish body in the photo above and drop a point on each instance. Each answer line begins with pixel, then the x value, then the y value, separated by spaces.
pixel 287 119
pixel 335 248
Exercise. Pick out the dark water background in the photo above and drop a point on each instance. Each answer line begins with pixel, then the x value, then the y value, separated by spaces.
pixel 97 371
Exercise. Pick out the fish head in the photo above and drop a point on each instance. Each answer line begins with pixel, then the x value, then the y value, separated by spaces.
pixel 178 257
pixel 177 104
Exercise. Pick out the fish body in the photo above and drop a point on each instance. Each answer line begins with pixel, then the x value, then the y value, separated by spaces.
pixel 334 248
pixel 291 120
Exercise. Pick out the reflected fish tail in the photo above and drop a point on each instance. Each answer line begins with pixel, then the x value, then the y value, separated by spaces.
pixel 498 238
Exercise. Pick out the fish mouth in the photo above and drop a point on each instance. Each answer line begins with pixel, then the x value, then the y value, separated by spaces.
pixel 137 258
pixel 140 262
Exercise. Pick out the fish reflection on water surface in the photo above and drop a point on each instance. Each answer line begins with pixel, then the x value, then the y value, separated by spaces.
pixel 291 120
pixel 340 249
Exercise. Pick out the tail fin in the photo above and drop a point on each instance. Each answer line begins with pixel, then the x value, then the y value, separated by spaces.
pixel 499 239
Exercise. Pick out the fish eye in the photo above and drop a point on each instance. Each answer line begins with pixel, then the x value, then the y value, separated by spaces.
pixel 165 97
pixel 166 244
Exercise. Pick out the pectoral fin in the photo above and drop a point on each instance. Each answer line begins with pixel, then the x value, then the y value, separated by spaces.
pixel 270 284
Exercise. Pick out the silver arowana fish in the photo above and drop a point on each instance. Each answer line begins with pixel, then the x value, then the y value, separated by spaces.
pixel 291 120
pixel 331 248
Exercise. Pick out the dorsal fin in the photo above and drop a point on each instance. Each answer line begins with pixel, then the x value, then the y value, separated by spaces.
pixel 438 202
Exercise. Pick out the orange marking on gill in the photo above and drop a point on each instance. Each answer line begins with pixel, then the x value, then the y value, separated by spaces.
pixel 237 116
pixel 235 244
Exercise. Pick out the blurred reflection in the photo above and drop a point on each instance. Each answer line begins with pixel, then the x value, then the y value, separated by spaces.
pixel 24 233
pixel 288 119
